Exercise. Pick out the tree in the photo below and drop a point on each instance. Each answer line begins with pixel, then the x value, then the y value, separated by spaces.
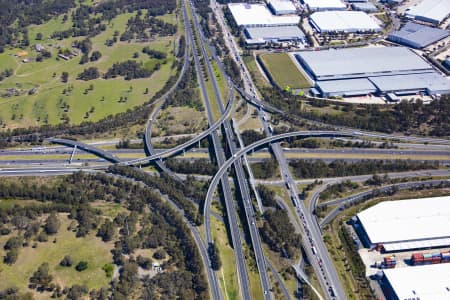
pixel 106 231
pixel 81 266
pixel 213 251
pixel 89 74
pixel 52 224
pixel 11 256
pixel 39 36
pixel 14 242
pixel 77 291
pixel 96 55
pixel 159 254
pixel 42 276
pixel 67 261
pixel 144 262
pixel 64 77
pixel 84 59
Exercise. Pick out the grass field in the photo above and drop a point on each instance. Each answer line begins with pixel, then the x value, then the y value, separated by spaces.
pixel 283 71
pixel 250 63
pixel 179 120
pixel 89 248
pixel 227 274
pixel 48 104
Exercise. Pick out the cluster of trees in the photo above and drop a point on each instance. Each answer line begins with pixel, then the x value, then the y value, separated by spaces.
pixel 186 93
pixel 154 53
pixel 163 228
pixel 31 228
pixel 338 168
pixel 265 169
pixel 129 69
pixel 305 143
pixel 362 144
pixel 357 266
pixel 334 190
pixel 250 136
pixel 144 27
pixel 180 193
pixel 90 73
pixel 232 69
pixel 267 196
pixel 90 20
pixel 15 16
pixel 214 256
pixel 6 73
pixel 181 46
pixel 43 54
pixel 13 293
pixel 198 166
pixel 230 20
pixel 279 233
pixel 406 117
pixel 85 22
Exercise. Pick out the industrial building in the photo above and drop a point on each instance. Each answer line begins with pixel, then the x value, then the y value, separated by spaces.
pixel 397 71
pixel 282 7
pixel 431 11
pixel 323 5
pixel 263 35
pixel 368 7
pixel 361 62
pixel 447 63
pixel 429 282
pixel 343 21
pixel 417 36
pixel 259 15
pixel 406 224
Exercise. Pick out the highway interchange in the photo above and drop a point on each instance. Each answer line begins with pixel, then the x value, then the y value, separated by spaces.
pixel 313 245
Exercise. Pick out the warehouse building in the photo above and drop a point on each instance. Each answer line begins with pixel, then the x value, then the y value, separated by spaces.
pixel 368 7
pixel 343 21
pixel 394 71
pixel 431 11
pixel 282 7
pixel 417 36
pixel 446 63
pixel 361 62
pixel 344 88
pixel 323 5
pixel 406 224
pixel 429 282
pixel 263 35
pixel 258 15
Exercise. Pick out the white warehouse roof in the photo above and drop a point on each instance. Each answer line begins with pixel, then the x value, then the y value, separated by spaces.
pixel 325 4
pixel 417 221
pixel 429 282
pixel 282 6
pixel 348 21
pixel 258 15
pixel 434 11
pixel 361 62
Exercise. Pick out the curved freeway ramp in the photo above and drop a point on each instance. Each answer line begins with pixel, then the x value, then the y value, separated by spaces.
pixel 88 148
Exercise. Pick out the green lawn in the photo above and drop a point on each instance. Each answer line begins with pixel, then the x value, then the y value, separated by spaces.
pixel 283 71
pixel 89 248
pixel 227 274
pixel 49 104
